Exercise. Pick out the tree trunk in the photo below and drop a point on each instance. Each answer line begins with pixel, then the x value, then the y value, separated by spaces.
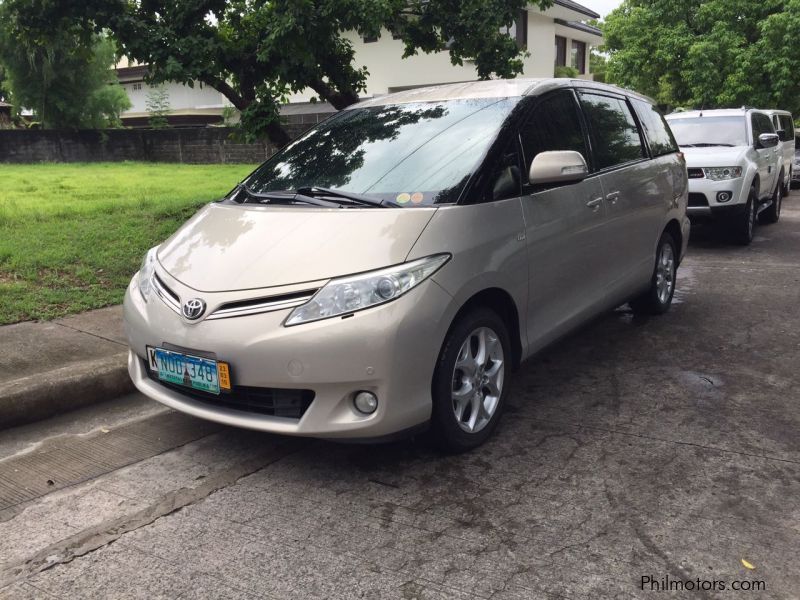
pixel 275 131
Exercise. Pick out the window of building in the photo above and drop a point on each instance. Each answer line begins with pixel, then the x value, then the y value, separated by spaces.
pixel 656 129
pixel 578 58
pixel 554 125
pixel 137 87
pixel 615 136
pixel 561 51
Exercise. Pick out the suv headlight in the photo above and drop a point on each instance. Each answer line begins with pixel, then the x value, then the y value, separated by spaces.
pixel 346 295
pixel 722 173
pixel 146 273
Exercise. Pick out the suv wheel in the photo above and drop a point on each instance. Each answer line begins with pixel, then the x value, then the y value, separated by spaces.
pixel 773 213
pixel 657 299
pixel 745 224
pixel 471 381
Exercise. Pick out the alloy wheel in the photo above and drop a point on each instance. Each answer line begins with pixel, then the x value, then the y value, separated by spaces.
pixel 665 273
pixel 477 382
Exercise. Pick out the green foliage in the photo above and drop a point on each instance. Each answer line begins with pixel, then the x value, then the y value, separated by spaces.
pixel 72 235
pixel 257 53
pixel 65 80
pixel 565 71
pixel 158 107
pixel 707 53
pixel 598 65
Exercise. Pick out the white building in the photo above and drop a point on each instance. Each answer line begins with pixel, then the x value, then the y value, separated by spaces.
pixel 554 37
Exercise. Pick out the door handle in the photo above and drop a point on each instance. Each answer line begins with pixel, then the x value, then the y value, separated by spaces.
pixel 612 197
pixel 594 204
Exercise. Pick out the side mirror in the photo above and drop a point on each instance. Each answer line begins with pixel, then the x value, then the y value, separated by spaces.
pixel 768 140
pixel 561 166
pixel 781 134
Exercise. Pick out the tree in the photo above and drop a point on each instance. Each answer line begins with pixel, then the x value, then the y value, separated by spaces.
pixel 158 107
pixel 66 82
pixel 256 53
pixel 707 53
pixel 598 64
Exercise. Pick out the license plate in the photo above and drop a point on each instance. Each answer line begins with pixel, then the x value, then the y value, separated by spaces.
pixel 194 372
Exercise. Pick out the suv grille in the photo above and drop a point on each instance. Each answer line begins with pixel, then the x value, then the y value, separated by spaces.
pixel 275 402
pixel 696 174
pixel 696 199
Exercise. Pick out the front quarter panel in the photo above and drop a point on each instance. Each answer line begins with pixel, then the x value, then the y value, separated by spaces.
pixel 487 244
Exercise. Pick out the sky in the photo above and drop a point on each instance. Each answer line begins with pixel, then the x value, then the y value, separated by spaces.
pixel 602 6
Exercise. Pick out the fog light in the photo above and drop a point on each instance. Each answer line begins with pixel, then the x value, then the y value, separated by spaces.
pixel 365 402
pixel 723 196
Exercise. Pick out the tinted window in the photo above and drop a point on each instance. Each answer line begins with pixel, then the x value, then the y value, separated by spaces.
pixel 416 153
pixel 554 125
pixel 761 124
pixel 787 126
pixel 709 131
pixel 659 137
pixel 615 137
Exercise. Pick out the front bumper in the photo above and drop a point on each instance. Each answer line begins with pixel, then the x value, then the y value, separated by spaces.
pixel 703 197
pixel 390 350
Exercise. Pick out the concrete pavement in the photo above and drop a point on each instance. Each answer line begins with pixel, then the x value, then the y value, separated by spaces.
pixel 666 449
pixel 56 366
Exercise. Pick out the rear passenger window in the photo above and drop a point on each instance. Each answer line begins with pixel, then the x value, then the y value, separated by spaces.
pixel 658 133
pixel 615 136
pixel 554 125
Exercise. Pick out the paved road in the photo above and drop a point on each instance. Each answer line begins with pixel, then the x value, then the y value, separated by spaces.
pixel 661 448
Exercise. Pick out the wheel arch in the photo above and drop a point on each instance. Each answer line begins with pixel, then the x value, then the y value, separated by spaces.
pixel 674 229
pixel 502 303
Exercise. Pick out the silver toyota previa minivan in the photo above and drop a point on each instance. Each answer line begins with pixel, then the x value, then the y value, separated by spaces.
pixel 387 270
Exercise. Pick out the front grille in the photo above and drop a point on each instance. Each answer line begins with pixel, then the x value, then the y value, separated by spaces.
pixel 261 305
pixel 275 402
pixel 696 174
pixel 696 199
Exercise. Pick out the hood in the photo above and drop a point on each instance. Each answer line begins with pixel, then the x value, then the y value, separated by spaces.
pixel 228 247
pixel 714 156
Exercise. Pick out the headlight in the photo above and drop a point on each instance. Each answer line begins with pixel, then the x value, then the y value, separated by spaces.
pixel 146 272
pixel 722 173
pixel 346 295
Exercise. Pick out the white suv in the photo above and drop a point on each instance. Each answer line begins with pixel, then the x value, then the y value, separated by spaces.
pixel 734 164
pixel 784 127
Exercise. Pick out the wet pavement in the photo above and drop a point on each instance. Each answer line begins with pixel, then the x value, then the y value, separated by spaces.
pixel 636 452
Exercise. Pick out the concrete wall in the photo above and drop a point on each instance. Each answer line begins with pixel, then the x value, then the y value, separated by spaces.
pixel 211 145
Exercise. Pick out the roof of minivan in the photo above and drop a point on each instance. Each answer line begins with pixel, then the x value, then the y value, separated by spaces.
pixel 493 88
pixel 777 111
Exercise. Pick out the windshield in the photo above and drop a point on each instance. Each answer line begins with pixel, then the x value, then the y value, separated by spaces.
pixel 409 154
pixel 710 131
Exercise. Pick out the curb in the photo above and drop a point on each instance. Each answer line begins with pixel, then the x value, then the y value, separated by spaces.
pixel 36 397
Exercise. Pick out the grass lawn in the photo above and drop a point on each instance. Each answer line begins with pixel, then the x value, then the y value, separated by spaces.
pixel 72 235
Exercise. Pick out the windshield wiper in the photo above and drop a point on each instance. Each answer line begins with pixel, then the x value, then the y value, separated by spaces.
pixel 359 198
pixel 287 197
pixel 706 145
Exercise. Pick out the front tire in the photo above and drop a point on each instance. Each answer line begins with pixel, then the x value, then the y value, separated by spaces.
pixel 745 224
pixel 773 212
pixel 470 384
pixel 658 298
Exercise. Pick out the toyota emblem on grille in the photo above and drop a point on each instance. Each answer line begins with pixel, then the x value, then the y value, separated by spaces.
pixel 194 308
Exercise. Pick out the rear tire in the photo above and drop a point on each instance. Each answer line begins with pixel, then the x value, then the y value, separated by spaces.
pixel 744 225
pixel 773 212
pixel 471 381
pixel 658 298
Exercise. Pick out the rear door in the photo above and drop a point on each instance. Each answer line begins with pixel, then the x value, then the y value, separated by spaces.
pixel 563 226
pixel 632 190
